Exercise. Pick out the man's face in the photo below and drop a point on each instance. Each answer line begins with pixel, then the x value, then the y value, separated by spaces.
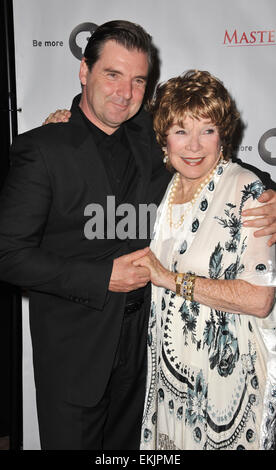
pixel 114 89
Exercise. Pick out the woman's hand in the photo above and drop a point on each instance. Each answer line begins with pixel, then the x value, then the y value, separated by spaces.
pixel 60 115
pixel 159 276
pixel 266 220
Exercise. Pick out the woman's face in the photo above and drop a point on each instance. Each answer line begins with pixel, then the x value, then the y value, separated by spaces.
pixel 193 149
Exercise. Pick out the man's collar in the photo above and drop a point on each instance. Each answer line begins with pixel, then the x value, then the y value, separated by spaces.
pixel 99 134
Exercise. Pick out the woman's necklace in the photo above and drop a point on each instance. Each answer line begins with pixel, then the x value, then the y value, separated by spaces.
pixel 171 198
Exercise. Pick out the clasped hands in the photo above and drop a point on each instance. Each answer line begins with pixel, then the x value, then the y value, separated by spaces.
pixel 136 269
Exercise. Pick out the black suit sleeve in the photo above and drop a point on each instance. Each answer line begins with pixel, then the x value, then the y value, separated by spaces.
pixel 25 203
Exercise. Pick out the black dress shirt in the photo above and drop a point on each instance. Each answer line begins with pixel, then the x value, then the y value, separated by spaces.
pixel 118 161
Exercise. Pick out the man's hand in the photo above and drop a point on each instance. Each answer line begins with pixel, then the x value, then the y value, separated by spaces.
pixel 60 115
pixel 268 219
pixel 126 277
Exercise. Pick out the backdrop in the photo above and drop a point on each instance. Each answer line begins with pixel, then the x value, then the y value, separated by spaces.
pixel 234 40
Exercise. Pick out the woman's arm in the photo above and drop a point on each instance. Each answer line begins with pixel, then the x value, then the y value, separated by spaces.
pixel 234 296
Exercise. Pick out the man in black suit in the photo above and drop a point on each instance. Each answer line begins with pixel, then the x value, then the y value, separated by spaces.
pixel 88 303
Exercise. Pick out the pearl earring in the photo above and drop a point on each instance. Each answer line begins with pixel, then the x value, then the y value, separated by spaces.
pixel 221 156
pixel 166 158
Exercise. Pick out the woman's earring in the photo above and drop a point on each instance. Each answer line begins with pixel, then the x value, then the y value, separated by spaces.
pixel 221 157
pixel 166 158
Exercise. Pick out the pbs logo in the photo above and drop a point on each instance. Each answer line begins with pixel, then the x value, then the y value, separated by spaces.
pixel 79 37
pixel 267 147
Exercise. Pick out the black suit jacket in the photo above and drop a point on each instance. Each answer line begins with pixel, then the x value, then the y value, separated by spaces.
pixel 55 173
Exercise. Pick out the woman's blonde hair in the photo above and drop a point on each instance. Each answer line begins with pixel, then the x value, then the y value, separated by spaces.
pixel 197 94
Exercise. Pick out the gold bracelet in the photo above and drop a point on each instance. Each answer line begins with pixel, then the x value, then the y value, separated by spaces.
pixel 187 287
pixel 178 282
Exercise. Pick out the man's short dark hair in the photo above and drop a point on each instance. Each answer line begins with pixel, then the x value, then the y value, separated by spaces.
pixel 129 35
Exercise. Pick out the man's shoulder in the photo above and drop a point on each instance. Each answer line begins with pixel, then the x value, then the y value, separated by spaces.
pixel 143 119
pixel 57 130
pixel 52 134
pixel 45 131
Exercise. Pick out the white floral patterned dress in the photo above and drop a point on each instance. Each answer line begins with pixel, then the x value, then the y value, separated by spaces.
pixel 211 374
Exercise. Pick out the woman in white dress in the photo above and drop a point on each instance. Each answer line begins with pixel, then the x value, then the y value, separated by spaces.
pixel 211 366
